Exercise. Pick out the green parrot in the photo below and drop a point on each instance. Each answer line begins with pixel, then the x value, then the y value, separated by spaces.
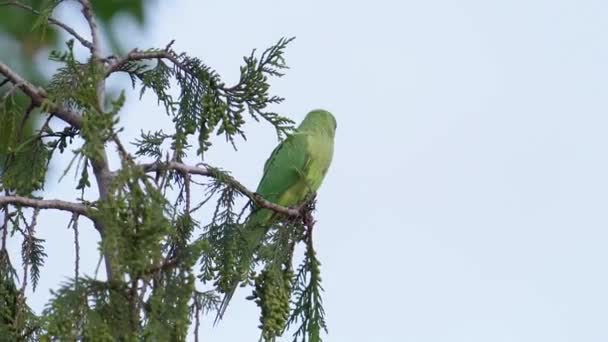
pixel 293 174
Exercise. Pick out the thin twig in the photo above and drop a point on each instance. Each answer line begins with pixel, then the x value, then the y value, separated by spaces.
pixel 165 175
pixel 5 228
pixel 74 225
pixel 56 22
pixel 28 111
pixel 46 124
pixel 122 151
pixel 142 293
pixel 11 91
pixel 168 47
pixel 188 191
pixel 197 322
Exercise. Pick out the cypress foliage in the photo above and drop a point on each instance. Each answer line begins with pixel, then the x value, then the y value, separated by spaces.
pixel 167 263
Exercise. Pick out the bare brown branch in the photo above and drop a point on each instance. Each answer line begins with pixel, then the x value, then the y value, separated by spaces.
pixel 72 207
pixel 208 172
pixel 87 10
pixel 136 55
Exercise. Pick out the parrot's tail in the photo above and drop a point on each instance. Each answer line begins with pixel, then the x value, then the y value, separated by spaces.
pixel 253 234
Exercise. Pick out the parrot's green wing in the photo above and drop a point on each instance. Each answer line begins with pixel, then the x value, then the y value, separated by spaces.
pixel 281 182
pixel 284 168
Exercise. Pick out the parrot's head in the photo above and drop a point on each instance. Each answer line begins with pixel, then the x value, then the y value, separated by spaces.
pixel 319 119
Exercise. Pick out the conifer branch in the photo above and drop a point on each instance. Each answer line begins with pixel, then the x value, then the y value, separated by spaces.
pixel 28 247
pixel 137 55
pixel 72 207
pixel 38 96
pixel 210 172
pixel 53 21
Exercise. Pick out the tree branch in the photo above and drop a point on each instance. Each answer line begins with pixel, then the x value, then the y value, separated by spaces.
pixel 209 172
pixel 4 228
pixel 74 225
pixel 68 29
pixel 87 11
pixel 88 14
pixel 101 170
pixel 26 260
pixel 136 55
pixel 72 207
pixel 29 89
pixel 38 96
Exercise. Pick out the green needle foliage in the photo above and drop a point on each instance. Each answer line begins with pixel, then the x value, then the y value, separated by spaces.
pixel 171 234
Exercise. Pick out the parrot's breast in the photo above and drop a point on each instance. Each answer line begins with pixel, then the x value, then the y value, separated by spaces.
pixel 319 153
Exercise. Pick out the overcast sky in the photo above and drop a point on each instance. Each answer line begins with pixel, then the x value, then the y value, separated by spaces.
pixel 468 194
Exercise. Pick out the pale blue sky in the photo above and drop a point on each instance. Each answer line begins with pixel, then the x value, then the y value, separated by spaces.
pixel 467 199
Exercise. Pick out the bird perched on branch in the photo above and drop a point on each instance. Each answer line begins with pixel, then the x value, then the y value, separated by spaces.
pixel 292 175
